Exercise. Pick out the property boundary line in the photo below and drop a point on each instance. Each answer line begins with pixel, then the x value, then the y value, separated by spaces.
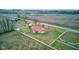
pixel 67 44
pixel 58 37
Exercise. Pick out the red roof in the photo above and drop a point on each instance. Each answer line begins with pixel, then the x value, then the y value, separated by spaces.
pixel 37 28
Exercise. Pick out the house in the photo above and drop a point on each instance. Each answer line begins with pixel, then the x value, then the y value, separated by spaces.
pixel 38 28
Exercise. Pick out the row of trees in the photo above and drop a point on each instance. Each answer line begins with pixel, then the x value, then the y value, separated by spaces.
pixel 6 24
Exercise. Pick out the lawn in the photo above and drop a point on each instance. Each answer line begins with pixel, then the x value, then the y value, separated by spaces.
pixel 61 46
pixel 71 37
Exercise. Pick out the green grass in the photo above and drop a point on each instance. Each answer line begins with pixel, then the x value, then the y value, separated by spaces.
pixel 61 46
pixel 77 45
pixel 16 41
pixel 71 37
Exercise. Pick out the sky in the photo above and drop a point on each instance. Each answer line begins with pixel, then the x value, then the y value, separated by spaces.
pixel 39 4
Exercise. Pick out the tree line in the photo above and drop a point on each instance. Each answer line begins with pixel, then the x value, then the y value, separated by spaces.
pixel 6 24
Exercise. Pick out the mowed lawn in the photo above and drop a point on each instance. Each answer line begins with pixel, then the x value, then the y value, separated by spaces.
pixel 71 38
pixel 48 37
pixel 61 46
